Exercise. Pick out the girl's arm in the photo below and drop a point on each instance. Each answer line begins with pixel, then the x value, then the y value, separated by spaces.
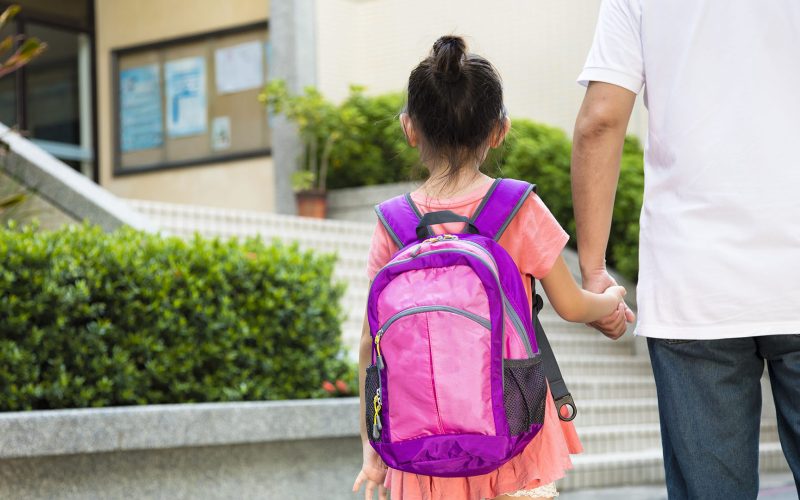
pixel 364 360
pixel 574 304
pixel 373 470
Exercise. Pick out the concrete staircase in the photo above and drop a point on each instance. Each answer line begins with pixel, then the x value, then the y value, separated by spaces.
pixel 611 381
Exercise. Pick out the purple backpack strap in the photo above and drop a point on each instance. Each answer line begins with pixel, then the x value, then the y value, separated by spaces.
pixel 400 217
pixel 501 203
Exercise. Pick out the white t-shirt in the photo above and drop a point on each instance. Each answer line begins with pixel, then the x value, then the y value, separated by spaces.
pixel 720 226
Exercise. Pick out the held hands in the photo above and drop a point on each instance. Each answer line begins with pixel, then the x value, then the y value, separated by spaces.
pixel 373 472
pixel 614 325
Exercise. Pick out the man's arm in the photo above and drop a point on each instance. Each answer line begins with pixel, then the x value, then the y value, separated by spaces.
pixel 597 148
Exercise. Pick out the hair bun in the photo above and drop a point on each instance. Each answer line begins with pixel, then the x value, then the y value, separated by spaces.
pixel 448 53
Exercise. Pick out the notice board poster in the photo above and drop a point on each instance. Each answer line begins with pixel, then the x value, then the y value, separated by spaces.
pixel 141 115
pixel 191 101
pixel 187 107
pixel 239 67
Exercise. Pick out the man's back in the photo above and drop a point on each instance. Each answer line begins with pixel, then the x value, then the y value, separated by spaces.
pixel 720 226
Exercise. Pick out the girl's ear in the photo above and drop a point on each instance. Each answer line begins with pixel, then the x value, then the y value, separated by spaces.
pixel 408 129
pixel 500 133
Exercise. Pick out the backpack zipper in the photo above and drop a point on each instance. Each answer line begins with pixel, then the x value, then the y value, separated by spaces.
pixel 523 334
pixel 417 310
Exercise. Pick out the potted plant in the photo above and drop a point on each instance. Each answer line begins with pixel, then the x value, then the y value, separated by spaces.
pixel 320 124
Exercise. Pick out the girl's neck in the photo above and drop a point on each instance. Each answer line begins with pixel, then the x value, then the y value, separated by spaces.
pixel 442 185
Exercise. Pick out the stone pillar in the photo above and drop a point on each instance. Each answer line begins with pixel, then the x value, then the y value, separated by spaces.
pixel 292 27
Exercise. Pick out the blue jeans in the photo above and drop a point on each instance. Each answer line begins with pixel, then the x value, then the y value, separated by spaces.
pixel 709 403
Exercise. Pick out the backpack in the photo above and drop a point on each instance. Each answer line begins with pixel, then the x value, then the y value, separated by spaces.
pixel 457 383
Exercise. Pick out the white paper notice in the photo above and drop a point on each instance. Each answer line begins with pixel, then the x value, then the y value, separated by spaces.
pixel 239 67
pixel 186 96
pixel 221 133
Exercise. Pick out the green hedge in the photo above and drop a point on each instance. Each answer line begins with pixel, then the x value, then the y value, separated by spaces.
pixel 97 319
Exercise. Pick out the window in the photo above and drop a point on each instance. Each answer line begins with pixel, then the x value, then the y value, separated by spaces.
pixel 51 99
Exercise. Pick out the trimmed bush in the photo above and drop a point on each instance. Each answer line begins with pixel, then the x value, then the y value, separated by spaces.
pixel 102 319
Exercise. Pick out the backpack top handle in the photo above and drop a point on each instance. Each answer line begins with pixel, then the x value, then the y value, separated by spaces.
pixel 443 217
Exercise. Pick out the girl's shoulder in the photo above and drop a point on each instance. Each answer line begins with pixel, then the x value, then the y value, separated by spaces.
pixel 534 238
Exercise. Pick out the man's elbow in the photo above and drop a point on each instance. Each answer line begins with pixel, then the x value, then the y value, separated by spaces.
pixel 606 109
pixel 597 122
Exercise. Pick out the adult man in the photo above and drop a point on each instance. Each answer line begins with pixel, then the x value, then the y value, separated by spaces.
pixel 719 282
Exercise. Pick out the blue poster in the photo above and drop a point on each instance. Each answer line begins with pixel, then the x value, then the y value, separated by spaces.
pixel 186 96
pixel 140 108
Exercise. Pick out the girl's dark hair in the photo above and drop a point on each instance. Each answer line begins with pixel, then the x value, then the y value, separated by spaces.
pixel 455 100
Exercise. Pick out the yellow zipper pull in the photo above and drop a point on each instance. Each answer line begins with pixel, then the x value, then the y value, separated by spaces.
pixel 377 426
pixel 378 356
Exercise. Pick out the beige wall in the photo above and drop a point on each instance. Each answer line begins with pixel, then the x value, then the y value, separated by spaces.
pixel 539 47
pixel 246 184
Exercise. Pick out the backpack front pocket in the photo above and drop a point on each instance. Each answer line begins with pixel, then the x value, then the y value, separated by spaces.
pixel 372 400
pixel 437 361
pixel 524 393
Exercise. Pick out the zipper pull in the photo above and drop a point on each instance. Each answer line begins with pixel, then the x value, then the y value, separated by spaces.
pixel 377 425
pixel 378 357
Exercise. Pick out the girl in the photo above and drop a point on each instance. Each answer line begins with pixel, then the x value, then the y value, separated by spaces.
pixel 455 113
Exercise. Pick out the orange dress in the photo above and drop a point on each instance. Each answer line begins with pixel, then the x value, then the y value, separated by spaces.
pixel 534 239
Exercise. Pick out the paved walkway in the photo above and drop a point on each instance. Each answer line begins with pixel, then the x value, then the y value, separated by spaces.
pixel 773 487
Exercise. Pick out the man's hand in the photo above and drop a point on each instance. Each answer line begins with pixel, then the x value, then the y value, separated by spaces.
pixel 373 472
pixel 614 325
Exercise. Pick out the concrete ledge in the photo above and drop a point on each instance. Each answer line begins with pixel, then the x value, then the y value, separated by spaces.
pixel 66 189
pixel 82 431
pixel 356 203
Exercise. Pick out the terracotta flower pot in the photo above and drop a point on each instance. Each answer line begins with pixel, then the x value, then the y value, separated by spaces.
pixel 312 203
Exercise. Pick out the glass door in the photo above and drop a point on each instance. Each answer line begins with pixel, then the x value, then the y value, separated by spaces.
pixel 58 96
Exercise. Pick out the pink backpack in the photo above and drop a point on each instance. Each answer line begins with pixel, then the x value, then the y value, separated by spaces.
pixel 457 384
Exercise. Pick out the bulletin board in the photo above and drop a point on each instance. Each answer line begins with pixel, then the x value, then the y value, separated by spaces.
pixel 191 101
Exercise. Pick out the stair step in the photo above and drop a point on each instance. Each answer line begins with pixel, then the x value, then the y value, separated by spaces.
pixel 599 470
pixel 567 345
pixel 577 365
pixel 619 438
pixel 631 437
pixel 628 411
pixel 612 387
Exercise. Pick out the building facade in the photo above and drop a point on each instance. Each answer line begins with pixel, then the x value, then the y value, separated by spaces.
pixel 158 100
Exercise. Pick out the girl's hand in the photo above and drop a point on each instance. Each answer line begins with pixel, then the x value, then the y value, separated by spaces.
pixel 616 292
pixel 614 325
pixel 373 472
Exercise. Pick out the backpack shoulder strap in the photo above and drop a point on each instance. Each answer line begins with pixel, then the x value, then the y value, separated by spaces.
pixel 400 217
pixel 501 203
pixel 565 405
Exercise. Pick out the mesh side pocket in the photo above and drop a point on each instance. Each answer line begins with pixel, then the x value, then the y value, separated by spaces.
pixel 371 385
pixel 524 392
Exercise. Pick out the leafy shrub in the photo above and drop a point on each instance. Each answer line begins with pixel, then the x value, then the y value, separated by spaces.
pixel 96 319
pixel 376 151
pixel 358 142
